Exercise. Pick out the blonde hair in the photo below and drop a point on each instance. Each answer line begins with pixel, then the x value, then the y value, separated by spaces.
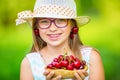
pixel 75 43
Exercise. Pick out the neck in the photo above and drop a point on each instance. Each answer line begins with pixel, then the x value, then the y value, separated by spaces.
pixel 50 52
pixel 57 49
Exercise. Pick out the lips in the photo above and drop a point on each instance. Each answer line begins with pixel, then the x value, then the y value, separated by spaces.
pixel 54 36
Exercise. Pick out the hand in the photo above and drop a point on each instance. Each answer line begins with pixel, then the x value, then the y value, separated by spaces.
pixel 50 75
pixel 80 75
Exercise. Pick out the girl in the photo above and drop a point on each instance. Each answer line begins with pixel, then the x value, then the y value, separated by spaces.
pixel 55 28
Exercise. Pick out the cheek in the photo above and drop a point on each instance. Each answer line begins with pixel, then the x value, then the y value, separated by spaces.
pixel 68 30
pixel 42 32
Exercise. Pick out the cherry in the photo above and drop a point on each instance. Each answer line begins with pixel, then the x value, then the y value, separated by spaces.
pixel 49 66
pixel 77 64
pixel 71 35
pixel 67 58
pixel 83 62
pixel 77 59
pixel 70 67
pixel 72 57
pixel 72 64
pixel 64 63
pixel 67 62
pixel 81 67
pixel 55 60
pixel 60 57
pixel 53 63
pixel 56 64
pixel 74 30
pixel 36 31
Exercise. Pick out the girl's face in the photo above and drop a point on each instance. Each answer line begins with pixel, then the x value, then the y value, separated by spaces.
pixel 54 31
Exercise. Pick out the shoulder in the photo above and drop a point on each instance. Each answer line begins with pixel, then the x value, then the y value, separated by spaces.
pixel 25 68
pixel 25 64
pixel 95 56
pixel 89 50
pixel 93 53
pixel 84 48
pixel 95 62
pixel 28 58
pixel 95 59
pixel 32 54
pixel 86 51
pixel 25 71
pixel 24 61
pixel 96 66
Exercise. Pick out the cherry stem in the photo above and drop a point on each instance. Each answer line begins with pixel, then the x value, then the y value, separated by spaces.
pixel 65 53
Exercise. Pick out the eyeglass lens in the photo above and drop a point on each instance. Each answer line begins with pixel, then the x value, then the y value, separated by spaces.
pixel 46 23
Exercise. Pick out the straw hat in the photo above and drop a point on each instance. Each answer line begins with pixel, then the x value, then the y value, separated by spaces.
pixel 65 9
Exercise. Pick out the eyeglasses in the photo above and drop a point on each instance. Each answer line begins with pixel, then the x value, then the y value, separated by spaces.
pixel 45 23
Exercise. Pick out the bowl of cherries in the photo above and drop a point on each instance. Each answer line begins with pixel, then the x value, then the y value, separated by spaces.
pixel 66 66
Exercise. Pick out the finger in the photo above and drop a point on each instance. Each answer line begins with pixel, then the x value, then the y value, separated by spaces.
pixel 46 72
pixel 77 76
pixel 81 74
pixel 50 75
pixel 74 78
pixel 57 78
pixel 85 73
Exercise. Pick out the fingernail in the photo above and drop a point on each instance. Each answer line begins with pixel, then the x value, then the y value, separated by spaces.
pixel 46 71
pixel 83 71
pixel 52 72
pixel 60 76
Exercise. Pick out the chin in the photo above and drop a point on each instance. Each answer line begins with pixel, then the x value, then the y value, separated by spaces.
pixel 55 44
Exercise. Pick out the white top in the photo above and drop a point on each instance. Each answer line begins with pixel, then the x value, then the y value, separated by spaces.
pixel 37 63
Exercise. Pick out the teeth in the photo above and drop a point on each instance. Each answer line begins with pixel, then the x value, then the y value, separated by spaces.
pixel 54 35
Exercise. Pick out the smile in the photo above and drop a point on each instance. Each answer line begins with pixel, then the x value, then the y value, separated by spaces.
pixel 54 36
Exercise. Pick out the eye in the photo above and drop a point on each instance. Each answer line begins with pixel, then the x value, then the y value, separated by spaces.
pixel 61 21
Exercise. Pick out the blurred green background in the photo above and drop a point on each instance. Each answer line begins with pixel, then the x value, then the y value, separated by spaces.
pixel 103 33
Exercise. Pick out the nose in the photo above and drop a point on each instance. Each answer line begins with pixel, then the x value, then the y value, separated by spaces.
pixel 53 27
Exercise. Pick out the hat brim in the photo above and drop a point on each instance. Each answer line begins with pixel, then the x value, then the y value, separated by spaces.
pixel 80 20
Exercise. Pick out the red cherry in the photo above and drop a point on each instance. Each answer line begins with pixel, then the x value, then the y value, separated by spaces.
pixel 55 60
pixel 70 67
pixel 74 30
pixel 49 66
pixel 81 67
pixel 64 63
pixel 71 35
pixel 56 64
pixel 36 31
pixel 76 59
pixel 72 58
pixel 60 58
pixel 53 63
pixel 72 63
pixel 83 62
pixel 77 64
pixel 67 58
